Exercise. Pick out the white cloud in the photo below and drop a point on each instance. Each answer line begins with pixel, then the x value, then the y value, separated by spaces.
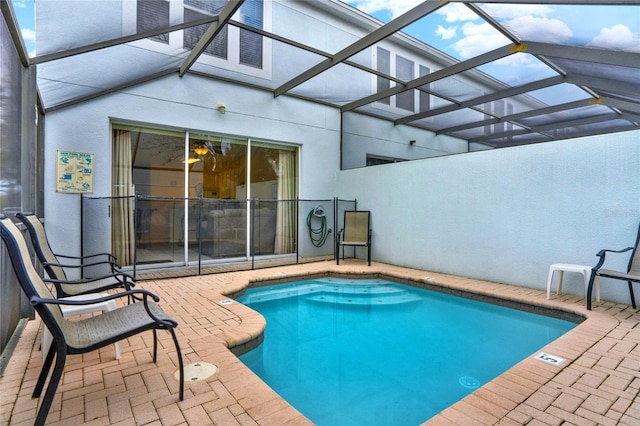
pixel 19 4
pixel 504 11
pixel 447 33
pixel 478 39
pixel 457 12
pixel 395 7
pixel 618 37
pixel 29 35
pixel 521 60
pixel 539 29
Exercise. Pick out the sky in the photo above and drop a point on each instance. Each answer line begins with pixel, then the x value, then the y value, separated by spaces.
pixel 456 30
pixel 26 20
pixel 459 32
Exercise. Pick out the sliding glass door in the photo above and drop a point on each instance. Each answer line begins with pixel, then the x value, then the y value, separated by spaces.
pixel 182 197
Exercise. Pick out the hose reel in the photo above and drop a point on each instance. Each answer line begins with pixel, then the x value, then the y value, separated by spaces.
pixel 320 234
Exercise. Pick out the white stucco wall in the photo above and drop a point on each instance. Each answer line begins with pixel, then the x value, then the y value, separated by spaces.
pixel 506 215
pixel 184 103
pixel 364 135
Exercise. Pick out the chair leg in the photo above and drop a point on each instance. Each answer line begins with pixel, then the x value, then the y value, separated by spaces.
pixel 49 394
pixel 46 366
pixel 180 364
pixel 590 288
pixel 633 299
pixel 155 345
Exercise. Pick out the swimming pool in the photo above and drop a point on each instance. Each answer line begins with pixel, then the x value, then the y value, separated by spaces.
pixel 373 352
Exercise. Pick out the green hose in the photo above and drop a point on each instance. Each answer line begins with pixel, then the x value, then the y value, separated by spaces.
pixel 318 235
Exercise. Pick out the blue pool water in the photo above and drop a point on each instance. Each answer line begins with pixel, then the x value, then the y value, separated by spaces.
pixel 372 352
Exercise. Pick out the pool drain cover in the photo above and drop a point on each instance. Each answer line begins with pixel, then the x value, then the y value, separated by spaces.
pixel 469 382
pixel 197 371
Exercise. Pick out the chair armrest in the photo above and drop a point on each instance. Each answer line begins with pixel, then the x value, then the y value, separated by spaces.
pixel 126 279
pixel 110 258
pixel 135 294
pixel 113 266
pixel 602 255
pixel 36 300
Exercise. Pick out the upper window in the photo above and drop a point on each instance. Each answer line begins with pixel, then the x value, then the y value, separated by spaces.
pixel 234 45
pixel 403 69
pixel 405 72
pixel 383 62
pixel 251 43
pixel 153 15
pixel 201 9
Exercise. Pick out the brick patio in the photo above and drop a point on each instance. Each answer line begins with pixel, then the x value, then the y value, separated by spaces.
pixel 598 383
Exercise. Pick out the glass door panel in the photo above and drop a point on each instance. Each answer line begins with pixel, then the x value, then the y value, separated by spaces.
pixel 157 176
pixel 217 184
pixel 273 182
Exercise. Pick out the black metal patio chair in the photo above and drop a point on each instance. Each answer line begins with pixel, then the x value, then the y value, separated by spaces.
pixel 110 278
pixel 85 335
pixel 356 231
pixel 632 275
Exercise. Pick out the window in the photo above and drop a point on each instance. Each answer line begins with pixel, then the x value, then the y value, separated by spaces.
pixel 383 65
pixel 251 43
pixel 425 98
pixel 498 109
pixel 403 69
pixel 375 160
pixel 218 46
pixel 153 15
pixel 232 45
pixel 405 72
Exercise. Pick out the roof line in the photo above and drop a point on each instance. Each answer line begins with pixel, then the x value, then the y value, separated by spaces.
pixel 81 99
pixel 370 39
pixel 258 87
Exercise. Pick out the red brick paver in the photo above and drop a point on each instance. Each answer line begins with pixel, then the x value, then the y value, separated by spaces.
pixel 598 383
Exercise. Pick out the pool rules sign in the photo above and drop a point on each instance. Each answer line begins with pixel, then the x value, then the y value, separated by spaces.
pixel 74 172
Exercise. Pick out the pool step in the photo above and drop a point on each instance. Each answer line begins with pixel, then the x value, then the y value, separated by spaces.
pixel 339 294
pixel 373 298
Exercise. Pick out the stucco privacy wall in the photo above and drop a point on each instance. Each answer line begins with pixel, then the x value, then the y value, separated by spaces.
pixel 506 215
pixel 183 103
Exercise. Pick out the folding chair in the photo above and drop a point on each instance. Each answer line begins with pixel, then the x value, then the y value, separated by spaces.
pixel 356 232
